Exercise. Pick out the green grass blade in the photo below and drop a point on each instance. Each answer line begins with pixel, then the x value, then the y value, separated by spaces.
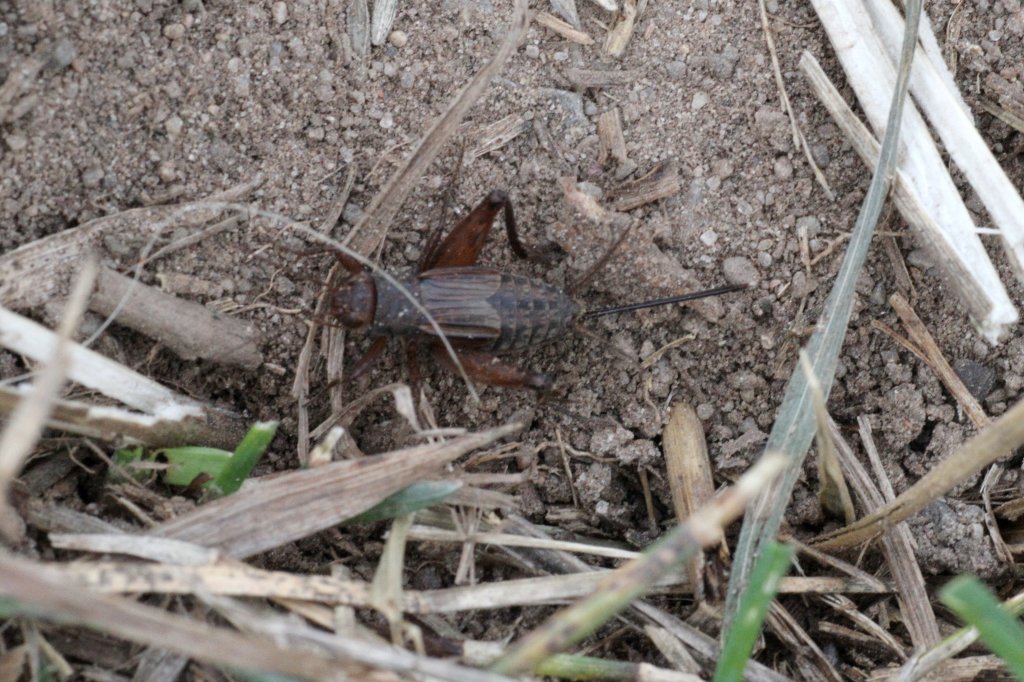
pixel 409 500
pixel 753 607
pixel 242 462
pixel 794 427
pixel 184 464
pixel 997 629
pixel 572 667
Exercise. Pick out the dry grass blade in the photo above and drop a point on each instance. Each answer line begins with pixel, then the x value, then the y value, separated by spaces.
pixel 430 534
pixel 934 92
pixel 613 143
pixel 31 588
pixel 807 656
pixel 189 329
pixel 833 491
pixel 793 429
pixel 625 584
pixel 563 28
pixel 897 545
pixel 1004 435
pixel 373 226
pixel 932 355
pixel 386 589
pixel 151 548
pixel 267 514
pixel 215 429
pixel 1005 115
pixel 967 267
pixel 29 416
pixel 689 475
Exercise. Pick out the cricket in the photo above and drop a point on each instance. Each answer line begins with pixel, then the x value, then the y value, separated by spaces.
pixel 482 311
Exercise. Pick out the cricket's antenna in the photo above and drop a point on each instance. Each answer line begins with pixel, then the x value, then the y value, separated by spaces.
pixel 692 296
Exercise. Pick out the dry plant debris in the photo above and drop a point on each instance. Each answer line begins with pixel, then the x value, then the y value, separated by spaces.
pixel 657 124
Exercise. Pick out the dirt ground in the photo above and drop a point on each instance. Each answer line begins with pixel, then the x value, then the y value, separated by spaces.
pixel 145 102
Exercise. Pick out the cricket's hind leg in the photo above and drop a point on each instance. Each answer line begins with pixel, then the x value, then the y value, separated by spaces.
pixel 493 371
pixel 462 246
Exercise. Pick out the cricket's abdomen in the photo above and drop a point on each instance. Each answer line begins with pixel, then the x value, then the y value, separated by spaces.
pixel 476 306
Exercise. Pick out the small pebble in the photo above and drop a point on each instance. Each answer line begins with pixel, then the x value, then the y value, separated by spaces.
pixel 92 176
pixel 387 121
pixel 709 238
pixel 174 31
pixel 920 259
pixel 739 270
pixel 64 53
pixel 700 100
pixel 978 378
pixel 676 70
pixel 783 168
pixel 166 172
pixel 407 79
pixel 280 13
pixel 398 38
pixel 561 56
pixel 764 259
pixel 173 126
pixel 16 142
pixel 705 411
pixel 532 51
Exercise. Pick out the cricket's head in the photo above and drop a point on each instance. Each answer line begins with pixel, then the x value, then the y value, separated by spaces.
pixel 354 299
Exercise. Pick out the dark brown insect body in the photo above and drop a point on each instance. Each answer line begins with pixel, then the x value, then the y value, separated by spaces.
pixel 477 307
pixel 480 310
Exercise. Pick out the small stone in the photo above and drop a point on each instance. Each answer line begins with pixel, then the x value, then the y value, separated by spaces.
pixel 819 153
pixel 532 51
pixel 175 31
pixel 783 168
pixel 351 213
pixel 279 13
pixel 173 125
pixel 407 79
pixel 64 53
pixel 764 259
pixel 739 270
pixel 705 411
pixel 92 176
pixel 387 121
pixel 398 38
pixel 561 56
pixel 676 70
pixel 390 69
pixel 609 439
pixel 16 142
pixel 709 238
pixel 166 172
pixel 978 378
pixel 700 100
pixel 920 259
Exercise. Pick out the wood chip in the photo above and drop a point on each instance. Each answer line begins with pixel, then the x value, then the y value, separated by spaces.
pixel 618 38
pixel 563 28
pixel 660 182
pixel 689 476
pixel 189 329
pixel 613 143
pixel 594 78
pixel 498 134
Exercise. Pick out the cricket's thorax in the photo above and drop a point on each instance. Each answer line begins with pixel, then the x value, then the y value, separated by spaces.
pixel 478 306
